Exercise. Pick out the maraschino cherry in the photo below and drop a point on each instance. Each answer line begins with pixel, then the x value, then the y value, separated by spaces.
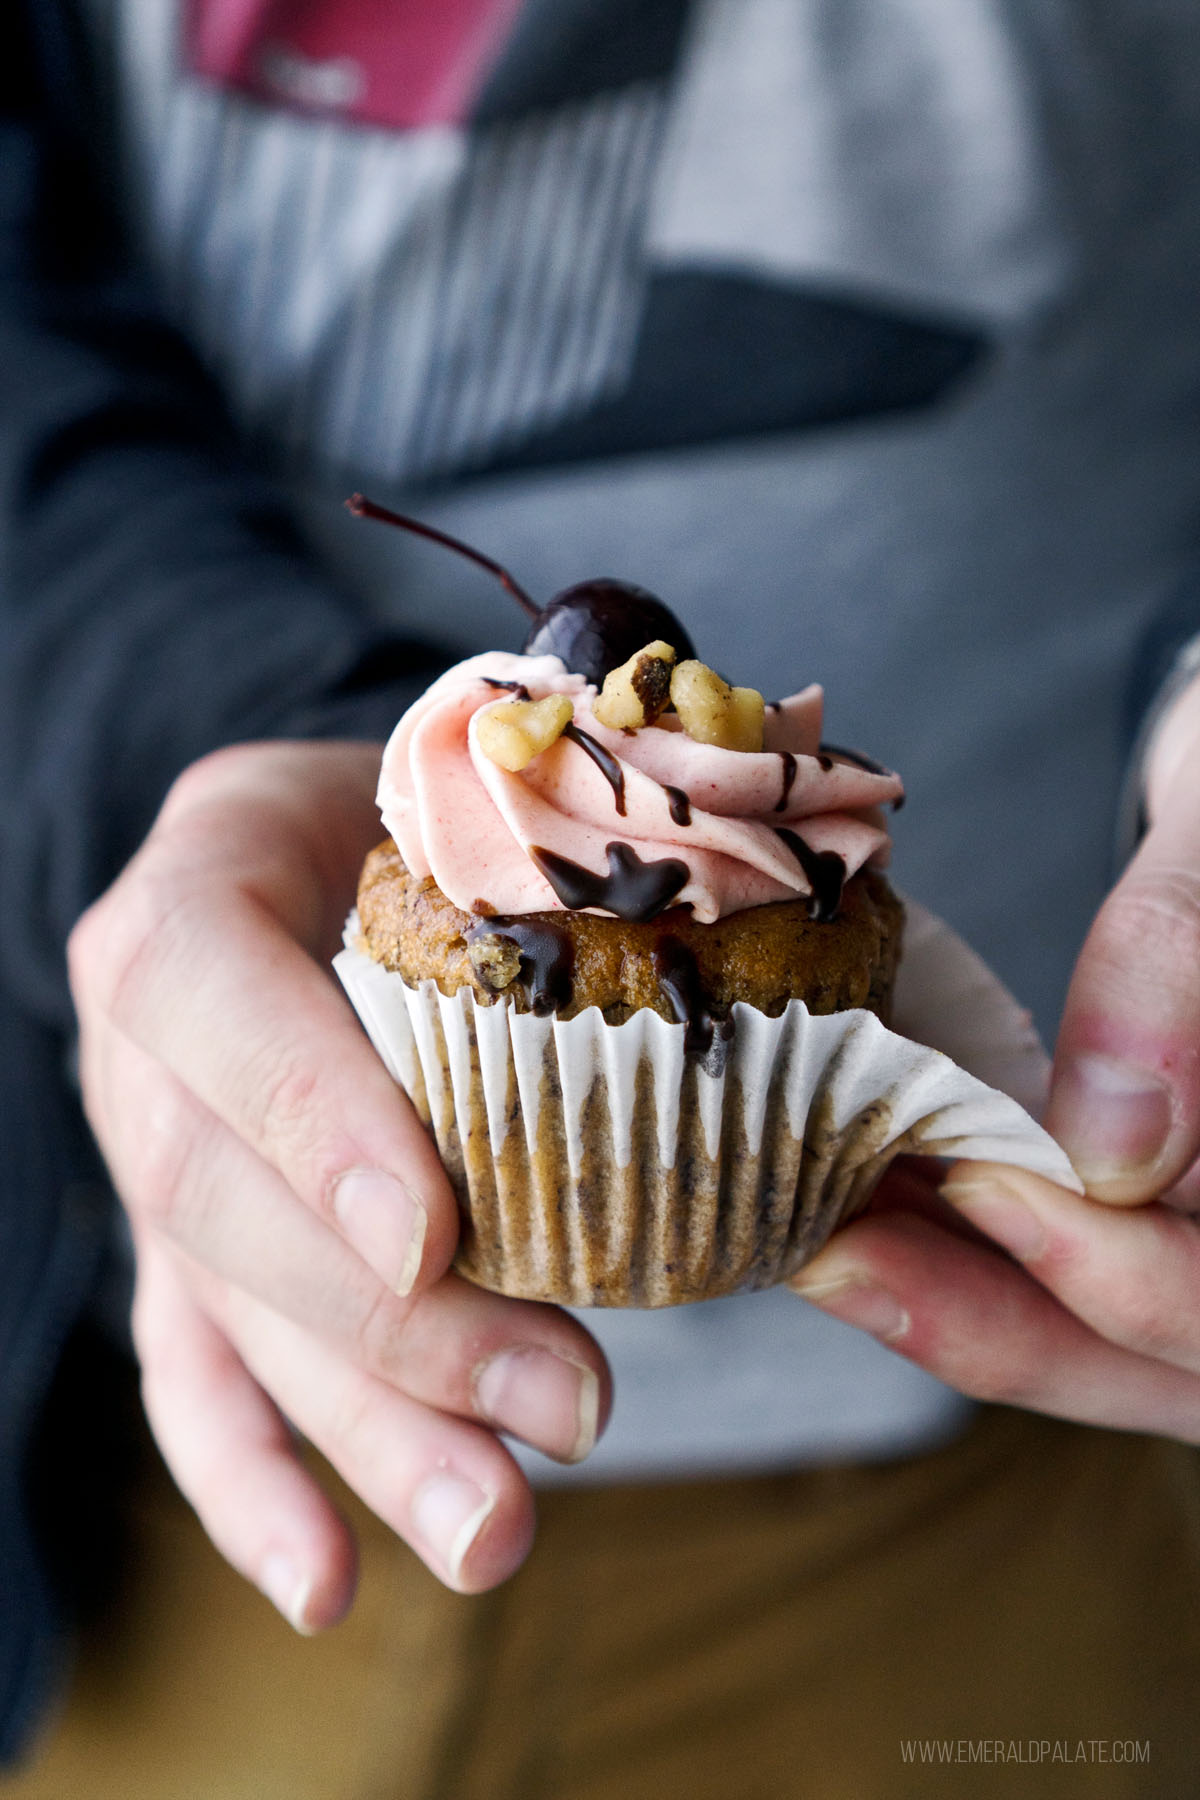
pixel 592 627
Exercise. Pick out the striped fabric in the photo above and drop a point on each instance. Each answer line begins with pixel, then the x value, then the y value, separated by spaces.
pixel 396 305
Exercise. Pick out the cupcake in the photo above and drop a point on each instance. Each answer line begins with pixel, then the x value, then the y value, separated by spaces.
pixel 627 922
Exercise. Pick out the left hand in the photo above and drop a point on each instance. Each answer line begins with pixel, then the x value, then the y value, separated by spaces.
pixel 292 1223
pixel 1087 1308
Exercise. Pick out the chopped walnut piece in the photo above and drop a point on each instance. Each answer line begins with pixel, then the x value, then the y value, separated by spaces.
pixel 496 960
pixel 513 732
pixel 746 719
pixel 712 712
pixel 637 692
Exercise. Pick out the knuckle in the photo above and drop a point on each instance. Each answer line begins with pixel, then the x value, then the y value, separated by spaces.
pixel 413 1344
pixel 379 1335
pixel 209 776
pixel 288 1120
pixel 286 1100
pixel 355 1418
pixel 1146 1303
pixel 159 1361
pixel 291 1085
pixel 1146 1321
pixel 155 1184
pixel 1016 1379
pixel 84 946
pixel 1149 1332
pixel 124 939
pixel 155 1197
pixel 154 1341
pixel 1159 905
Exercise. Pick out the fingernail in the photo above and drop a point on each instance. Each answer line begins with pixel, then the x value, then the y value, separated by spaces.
pixel 447 1513
pixel 999 1213
pixel 384 1222
pixel 857 1302
pixel 545 1399
pixel 287 1589
pixel 1112 1119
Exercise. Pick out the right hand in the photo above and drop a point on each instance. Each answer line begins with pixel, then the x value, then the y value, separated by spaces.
pixel 292 1223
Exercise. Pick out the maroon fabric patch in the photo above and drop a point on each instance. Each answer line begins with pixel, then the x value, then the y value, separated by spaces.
pixel 397 63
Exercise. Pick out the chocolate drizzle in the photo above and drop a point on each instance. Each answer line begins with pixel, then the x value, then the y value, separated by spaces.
pixel 679 978
pixel 516 688
pixel 789 765
pixel 632 889
pixel 679 803
pixel 856 756
pixel 604 760
pixel 863 762
pixel 825 870
pixel 547 960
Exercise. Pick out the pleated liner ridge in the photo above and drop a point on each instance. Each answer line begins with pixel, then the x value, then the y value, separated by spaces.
pixel 598 1165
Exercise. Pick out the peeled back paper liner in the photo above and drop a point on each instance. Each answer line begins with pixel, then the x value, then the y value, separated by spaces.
pixel 597 1165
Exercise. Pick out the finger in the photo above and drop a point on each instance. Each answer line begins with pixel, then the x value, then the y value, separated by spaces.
pixel 203 978
pixel 1132 1276
pixel 912 1184
pixel 233 1457
pixel 528 1369
pixel 259 807
pixel 1184 1195
pixel 1125 1101
pixel 976 1320
pixel 448 1488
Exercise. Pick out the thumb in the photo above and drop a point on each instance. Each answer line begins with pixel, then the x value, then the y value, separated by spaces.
pixel 1125 1097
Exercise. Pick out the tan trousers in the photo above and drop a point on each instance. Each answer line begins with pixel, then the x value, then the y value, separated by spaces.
pixel 1015 1615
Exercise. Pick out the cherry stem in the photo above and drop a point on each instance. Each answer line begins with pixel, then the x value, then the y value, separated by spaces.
pixel 362 508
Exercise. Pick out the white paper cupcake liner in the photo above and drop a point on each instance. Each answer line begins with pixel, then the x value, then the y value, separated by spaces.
pixel 597 1165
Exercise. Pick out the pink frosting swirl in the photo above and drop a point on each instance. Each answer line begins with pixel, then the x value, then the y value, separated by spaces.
pixel 481 832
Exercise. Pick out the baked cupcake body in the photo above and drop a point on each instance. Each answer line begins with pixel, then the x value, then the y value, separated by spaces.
pixel 763 956
pixel 610 966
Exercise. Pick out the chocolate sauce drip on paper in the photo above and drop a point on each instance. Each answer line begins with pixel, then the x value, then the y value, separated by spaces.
pixel 632 889
pixel 547 960
pixel 679 803
pixel 789 766
pixel 679 978
pixel 604 760
pixel 825 870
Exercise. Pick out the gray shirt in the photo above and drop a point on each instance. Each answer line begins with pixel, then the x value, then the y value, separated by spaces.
pixel 968 580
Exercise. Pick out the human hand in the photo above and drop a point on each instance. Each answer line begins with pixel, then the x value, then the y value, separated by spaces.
pixel 292 1223
pixel 1093 1310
